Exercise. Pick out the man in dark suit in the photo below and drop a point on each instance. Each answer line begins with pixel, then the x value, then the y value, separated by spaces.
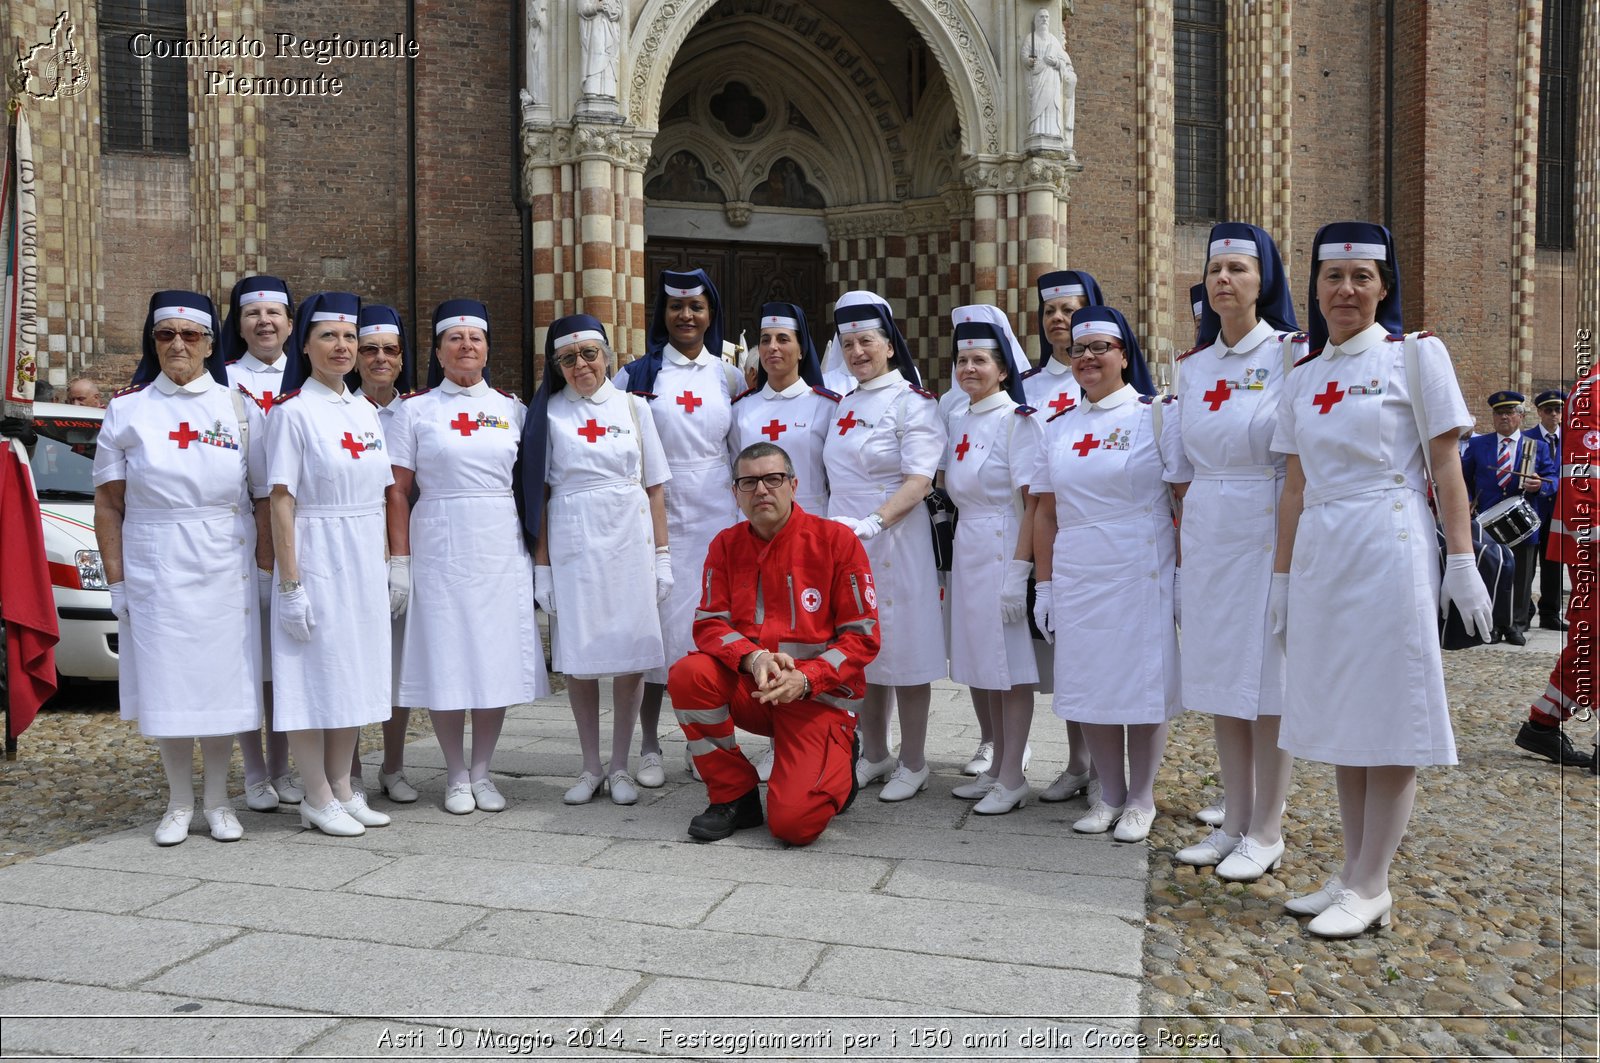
pixel 1550 405
pixel 1492 465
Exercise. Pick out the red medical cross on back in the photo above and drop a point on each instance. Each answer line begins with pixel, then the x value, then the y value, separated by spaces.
pixel 847 422
pixel 353 445
pixel 962 448
pixel 1330 395
pixel 1086 444
pixel 689 401
pixel 1061 402
pixel 592 431
pixel 774 430
pixel 463 424
pixel 1217 395
pixel 184 436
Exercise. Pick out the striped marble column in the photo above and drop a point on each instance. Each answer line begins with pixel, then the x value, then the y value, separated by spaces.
pixel 1525 193
pixel 227 171
pixel 1154 173
pixel 1586 178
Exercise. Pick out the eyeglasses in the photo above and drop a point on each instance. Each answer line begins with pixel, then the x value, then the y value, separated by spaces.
pixel 588 354
pixel 746 485
pixel 373 349
pixel 167 335
pixel 1078 350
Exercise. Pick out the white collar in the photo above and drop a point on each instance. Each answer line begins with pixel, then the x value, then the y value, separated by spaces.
pixel 1120 397
pixel 1252 339
pixel 990 402
pixel 1512 438
pixel 600 395
pixel 795 390
pixel 450 387
pixel 313 386
pixel 893 376
pixel 677 357
pixel 198 386
pixel 1361 342
pixel 394 401
pixel 1055 368
pixel 256 365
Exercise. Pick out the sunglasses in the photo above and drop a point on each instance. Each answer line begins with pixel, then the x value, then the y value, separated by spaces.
pixel 373 349
pixel 167 335
pixel 588 354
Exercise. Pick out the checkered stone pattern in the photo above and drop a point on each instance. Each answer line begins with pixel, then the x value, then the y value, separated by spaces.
pixel 1586 207
pixel 227 177
pixel 1525 190
pixel 1260 50
pixel 1154 173
pixel 66 154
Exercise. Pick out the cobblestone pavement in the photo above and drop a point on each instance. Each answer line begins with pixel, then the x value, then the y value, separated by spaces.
pixel 1492 952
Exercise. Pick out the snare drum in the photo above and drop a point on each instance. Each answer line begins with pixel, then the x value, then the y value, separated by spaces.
pixel 1510 521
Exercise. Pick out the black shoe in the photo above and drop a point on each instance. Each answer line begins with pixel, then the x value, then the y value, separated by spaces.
pixel 855 787
pixel 1514 636
pixel 1553 744
pixel 719 821
pixel 1555 624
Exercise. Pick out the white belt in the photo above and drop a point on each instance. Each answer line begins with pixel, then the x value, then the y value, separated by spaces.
pixel 578 487
pixel 358 509
pixel 1143 513
pixel 465 492
pixel 178 515
pixel 697 464
pixel 1239 472
pixel 978 512
pixel 1316 496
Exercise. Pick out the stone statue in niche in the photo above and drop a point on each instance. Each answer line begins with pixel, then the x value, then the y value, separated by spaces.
pixel 1052 85
pixel 786 186
pixel 602 43
pixel 537 85
pixel 683 178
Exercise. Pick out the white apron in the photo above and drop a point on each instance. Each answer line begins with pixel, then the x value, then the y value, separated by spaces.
pixel 692 410
pixel 797 419
pixel 884 433
pixel 1112 563
pixel 993 451
pixel 1227 405
pixel 1365 680
pixel 189 650
pixel 471 641
pixel 329 451
pixel 603 452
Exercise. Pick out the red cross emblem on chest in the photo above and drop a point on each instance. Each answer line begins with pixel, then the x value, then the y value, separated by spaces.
pixel 463 424
pixel 184 436
pixel 962 448
pixel 1330 395
pixel 1217 396
pixel 1086 444
pixel 689 401
pixel 592 431
pixel 1062 402
pixel 265 400
pixel 774 430
pixel 847 422
pixel 353 445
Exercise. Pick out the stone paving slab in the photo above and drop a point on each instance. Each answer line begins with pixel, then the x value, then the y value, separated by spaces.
pixel 88 889
pixel 468 836
pixel 947 928
pixel 1012 887
pixel 254 858
pixel 96 949
pixel 1070 854
pixel 813 866
pixel 118 1023
pixel 363 978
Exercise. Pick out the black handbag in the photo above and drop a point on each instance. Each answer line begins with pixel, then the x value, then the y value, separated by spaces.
pixel 1497 566
pixel 942 515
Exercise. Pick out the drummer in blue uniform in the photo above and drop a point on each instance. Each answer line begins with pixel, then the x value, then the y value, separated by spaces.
pixel 1493 466
pixel 1551 405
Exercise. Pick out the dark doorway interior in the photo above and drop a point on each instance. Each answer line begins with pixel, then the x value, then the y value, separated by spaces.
pixel 747 275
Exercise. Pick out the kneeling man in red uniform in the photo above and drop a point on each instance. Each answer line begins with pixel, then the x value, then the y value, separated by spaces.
pixel 788 622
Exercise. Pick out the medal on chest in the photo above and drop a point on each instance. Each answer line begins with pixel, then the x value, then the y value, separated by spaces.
pixel 218 435
pixel 467 424
pixel 356 445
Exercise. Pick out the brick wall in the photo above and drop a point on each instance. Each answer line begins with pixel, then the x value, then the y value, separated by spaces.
pixel 144 246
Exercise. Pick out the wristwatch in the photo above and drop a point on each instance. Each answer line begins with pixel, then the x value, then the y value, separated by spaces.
pixel 805 691
pixel 288 586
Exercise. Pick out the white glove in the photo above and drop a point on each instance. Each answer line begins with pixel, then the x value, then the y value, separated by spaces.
pixel 663 577
pixel 1278 604
pixel 871 525
pixel 1014 591
pixel 294 614
pixel 264 589
pixel 544 589
pixel 1464 586
pixel 1043 595
pixel 1177 595
pixel 848 522
pixel 399 583
pixel 119 599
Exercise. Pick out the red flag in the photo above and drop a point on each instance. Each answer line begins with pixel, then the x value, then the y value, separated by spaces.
pixel 26 603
